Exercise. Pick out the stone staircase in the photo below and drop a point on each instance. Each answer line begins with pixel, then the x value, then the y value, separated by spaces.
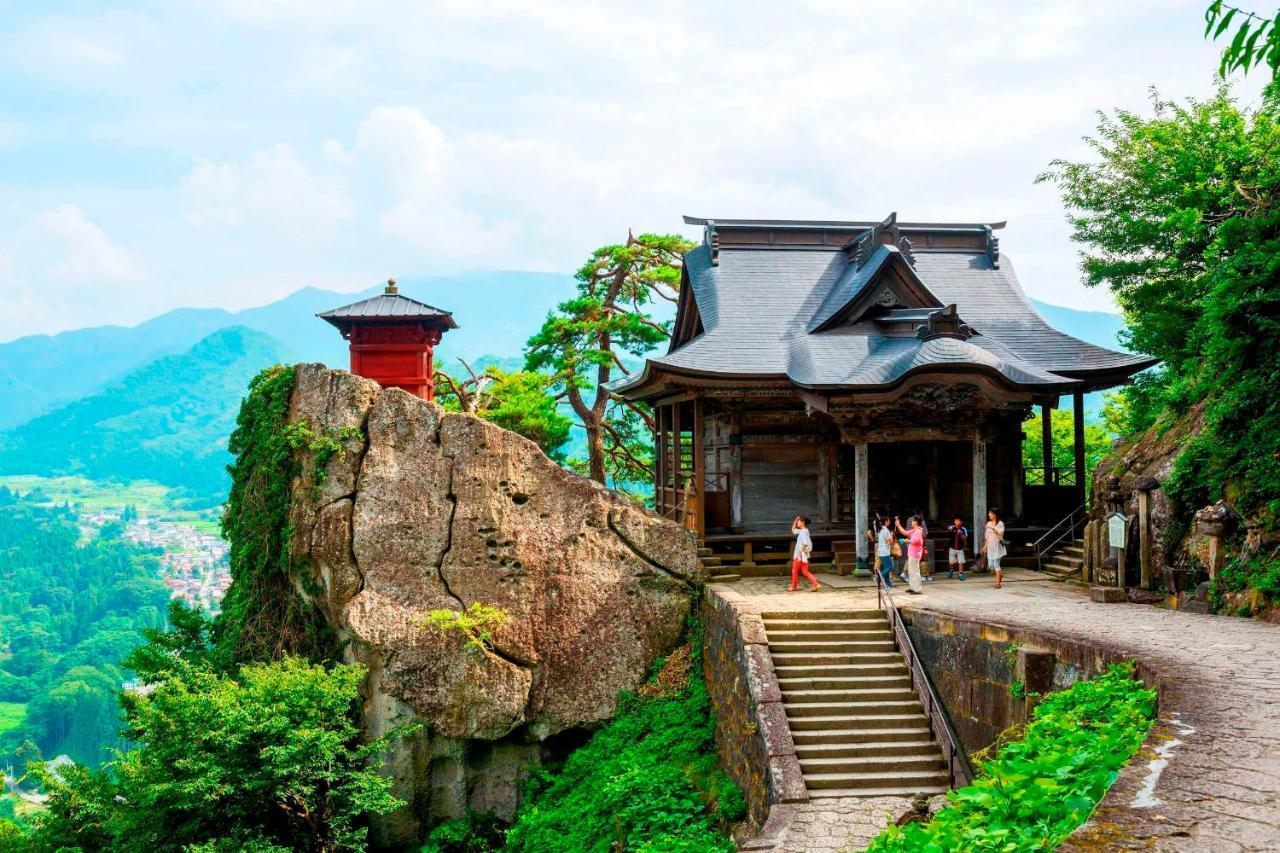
pixel 858 726
pixel 716 571
pixel 1066 563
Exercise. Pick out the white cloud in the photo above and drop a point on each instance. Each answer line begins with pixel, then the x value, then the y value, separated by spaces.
pixel 59 266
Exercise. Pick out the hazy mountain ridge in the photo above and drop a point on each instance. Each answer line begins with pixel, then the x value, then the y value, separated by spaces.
pixel 167 421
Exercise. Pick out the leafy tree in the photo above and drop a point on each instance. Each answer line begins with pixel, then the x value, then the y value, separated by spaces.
pixel 266 759
pixel 1256 39
pixel 1179 217
pixel 520 401
pixel 582 343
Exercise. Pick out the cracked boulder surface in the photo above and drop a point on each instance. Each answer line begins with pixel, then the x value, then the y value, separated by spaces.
pixel 439 510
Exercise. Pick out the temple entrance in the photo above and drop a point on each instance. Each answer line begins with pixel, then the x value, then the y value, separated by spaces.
pixel 932 477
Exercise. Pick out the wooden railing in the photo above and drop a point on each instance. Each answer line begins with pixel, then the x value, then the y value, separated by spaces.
pixel 953 751
pixel 1062 475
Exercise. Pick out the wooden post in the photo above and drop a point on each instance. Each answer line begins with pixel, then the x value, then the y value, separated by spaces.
pixel 675 454
pixel 1018 474
pixel 931 475
pixel 823 495
pixel 1144 539
pixel 979 483
pixel 699 470
pixel 1077 401
pixel 1086 571
pixel 861 510
pixel 660 463
pixel 735 470
pixel 1046 443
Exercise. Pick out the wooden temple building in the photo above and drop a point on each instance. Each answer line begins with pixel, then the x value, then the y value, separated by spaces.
pixel 836 369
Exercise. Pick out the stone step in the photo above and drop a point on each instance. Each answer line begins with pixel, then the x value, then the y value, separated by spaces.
pixel 709 562
pixel 832 625
pixel 920 746
pixel 1074 551
pixel 870 613
pixel 705 552
pixel 902 693
pixel 1066 560
pixel 725 578
pixel 787 659
pixel 789 635
pixel 893 666
pixel 899 681
pixel 913 780
pixel 837 736
pixel 858 722
pixel 900 707
pixel 839 646
pixel 822 793
pixel 878 764
pixel 778 570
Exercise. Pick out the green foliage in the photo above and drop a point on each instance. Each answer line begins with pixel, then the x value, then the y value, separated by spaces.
pixel 520 401
pixel 647 781
pixel 1255 41
pixel 166 421
pixel 263 617
pixel 1257 572
pixel 1097 442
pixel 1179 219
pixel 472 833
pixel 267 758
pixel 70 609
pixel 585 339
pixel 1038 789
pixel 477 623
pixel 322 446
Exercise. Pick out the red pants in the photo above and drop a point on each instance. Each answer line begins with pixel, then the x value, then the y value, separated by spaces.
pixel 798 566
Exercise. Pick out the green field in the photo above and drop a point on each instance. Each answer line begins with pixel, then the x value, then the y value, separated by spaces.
pixel 11 714
pixel 151 499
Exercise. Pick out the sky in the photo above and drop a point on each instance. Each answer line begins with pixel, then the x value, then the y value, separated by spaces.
pixel 225 153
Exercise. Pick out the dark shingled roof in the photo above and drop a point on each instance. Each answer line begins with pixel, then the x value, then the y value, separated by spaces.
pixel 762 306
pixel 393 306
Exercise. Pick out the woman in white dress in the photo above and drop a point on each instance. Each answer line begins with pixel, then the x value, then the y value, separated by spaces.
pixel 993 543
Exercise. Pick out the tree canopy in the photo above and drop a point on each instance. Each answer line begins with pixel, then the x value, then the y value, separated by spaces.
pixel 1255 41
pixel 583 343
pixel 520 401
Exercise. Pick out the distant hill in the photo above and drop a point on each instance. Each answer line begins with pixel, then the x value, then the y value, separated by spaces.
pixel 167 421
pixel 1095 327
pixel 496 312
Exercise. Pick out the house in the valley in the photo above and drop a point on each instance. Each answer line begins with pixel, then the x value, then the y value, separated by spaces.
pixel 832 369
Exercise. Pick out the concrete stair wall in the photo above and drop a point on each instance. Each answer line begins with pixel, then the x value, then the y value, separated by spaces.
pixel 858 726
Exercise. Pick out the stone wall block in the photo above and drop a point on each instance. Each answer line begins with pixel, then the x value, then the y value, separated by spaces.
pixel 775 731
pixel 786 780
pixel 762 683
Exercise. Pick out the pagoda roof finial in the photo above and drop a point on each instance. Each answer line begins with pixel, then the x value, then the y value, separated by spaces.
pixel 391 290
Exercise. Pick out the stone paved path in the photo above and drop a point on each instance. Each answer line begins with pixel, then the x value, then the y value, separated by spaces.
pixel 1220 696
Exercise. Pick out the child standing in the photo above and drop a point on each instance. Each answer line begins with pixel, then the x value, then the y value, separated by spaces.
pixel 955 550
pixel 800 557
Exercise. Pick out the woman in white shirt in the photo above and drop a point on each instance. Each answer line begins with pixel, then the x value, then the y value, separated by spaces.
pixel 993 543
pixel 800 557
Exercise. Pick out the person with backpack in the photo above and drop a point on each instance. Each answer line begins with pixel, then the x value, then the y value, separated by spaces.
pixel 958 538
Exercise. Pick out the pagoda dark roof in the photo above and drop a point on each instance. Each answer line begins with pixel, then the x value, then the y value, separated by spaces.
pixel 389 306
pixel 769 312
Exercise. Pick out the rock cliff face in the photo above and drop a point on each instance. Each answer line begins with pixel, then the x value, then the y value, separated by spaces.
pixel 436 510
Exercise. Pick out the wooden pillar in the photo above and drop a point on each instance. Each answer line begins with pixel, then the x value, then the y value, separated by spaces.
pixel 931 474
pixel 660 459
pixel 825 454
pixel 699 469
pixel 1046 443
pixel 1077 401
pixel 979 483
pixel 861 510
pixel 735 470
pixel 677 511
pixel 1018 475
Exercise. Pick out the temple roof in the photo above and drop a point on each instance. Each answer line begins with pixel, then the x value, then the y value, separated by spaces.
pixel 390 305
pixel 804 307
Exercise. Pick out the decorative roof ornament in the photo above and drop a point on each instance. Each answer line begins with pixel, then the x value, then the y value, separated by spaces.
pixel 904 247
pixel 945 323
pixel 993 247
pixel 712 238
pixel 391 289
pixel 865 246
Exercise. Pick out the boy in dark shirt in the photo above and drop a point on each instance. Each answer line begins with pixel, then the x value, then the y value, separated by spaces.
pixel 959 537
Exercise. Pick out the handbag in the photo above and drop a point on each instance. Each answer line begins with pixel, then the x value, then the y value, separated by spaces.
pixel 981 565
pixel 895 549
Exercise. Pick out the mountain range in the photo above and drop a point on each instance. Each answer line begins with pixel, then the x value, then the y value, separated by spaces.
pixel 156 401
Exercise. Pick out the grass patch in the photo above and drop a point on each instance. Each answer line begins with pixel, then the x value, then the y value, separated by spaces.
pixel 11 715
pixel 1038 789
pixel 648 781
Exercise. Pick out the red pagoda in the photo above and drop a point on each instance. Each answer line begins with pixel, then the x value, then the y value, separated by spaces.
pixel 392 339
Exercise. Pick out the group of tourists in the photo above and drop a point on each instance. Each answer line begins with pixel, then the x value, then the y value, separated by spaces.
pixel 889 538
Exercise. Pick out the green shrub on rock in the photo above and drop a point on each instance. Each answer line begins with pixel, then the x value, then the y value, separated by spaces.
pixel 1039 789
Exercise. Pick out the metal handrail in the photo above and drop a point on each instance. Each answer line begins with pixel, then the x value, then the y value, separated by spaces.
pixel 952 750
pixel 1068 525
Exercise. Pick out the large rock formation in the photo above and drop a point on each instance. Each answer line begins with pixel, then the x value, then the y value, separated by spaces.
pixel 432 510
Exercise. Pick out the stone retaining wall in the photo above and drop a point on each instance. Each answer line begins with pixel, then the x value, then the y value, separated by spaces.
pixel 753 740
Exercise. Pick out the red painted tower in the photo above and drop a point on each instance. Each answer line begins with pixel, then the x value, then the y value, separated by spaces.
pixel 392 339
